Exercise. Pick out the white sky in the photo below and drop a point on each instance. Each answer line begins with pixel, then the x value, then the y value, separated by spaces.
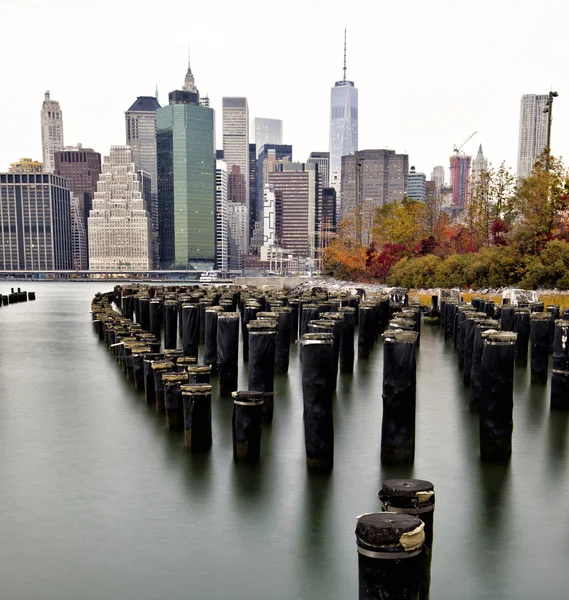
pixel 429 73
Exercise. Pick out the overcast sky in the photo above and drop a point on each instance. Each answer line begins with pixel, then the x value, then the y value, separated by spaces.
pixel 429 73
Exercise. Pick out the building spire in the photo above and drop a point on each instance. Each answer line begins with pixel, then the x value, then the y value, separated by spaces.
pixel 189 83
pixel 156 93
pixel 345 30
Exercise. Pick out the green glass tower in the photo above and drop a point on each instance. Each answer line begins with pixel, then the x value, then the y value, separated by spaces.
pixel 185 153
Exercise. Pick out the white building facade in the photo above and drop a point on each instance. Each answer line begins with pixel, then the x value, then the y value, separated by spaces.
pixel 221 217
pixel 533 132
pixel 417 185
pixel 267 131
pixel 237 226
pixel 438 176
pixel 51 132
pixel 120 227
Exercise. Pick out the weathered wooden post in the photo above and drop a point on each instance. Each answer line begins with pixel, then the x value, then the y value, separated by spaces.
pixel 522 327
pixel 197 416
pixel 540 337
pixel 560 366
pixel 227 352
pixel 173 404
pixel 247 425
pixel 262 344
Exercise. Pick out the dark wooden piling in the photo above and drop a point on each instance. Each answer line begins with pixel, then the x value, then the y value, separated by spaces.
pixel 247 426
pixel 560 366
pixel 262 345
pixel 173 404
pixel 540 340
pixel 522 328
pixel 197 416
pixel 227 352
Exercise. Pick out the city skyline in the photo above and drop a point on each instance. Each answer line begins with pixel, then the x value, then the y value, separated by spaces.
pixel 421 116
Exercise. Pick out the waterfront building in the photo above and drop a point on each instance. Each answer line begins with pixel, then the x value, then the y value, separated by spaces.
pixel 236 141
pixel 343 126
pixel 374 177
pixel 120 228
pixel 533 132
pixel 186 182
pixel 459 176
pixel 267 131
pixel 322 159
pixel 35 222
pixel 26 165
pixel 51 131
pixel 296 192
pixel 140 125
pixel 417 185
pixel 221 217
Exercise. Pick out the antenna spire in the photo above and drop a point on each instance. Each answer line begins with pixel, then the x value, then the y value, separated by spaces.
pixel 345 29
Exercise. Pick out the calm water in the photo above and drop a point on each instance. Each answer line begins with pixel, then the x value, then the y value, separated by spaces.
pixel 98 500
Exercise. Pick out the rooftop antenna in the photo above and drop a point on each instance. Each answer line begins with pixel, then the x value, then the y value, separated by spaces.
pixel 345 54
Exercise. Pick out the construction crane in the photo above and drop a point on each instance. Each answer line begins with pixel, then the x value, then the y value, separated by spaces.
pixel 457 150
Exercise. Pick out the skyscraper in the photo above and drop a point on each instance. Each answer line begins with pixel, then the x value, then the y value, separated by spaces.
pixel 35 222
pixel 236 186
pixel 438 176
pixel 237 228
pixel 140 122
pixel 343 125
pixel 269 156
pixel 186 182
pixel 221 217
pixel 252 187
pixel 296 197
pixel 417 185
pixel 479 166
pixel 375 177
pixel 236 142
pixel 51 131
pixel 533 132
pixel 459 180
pixel 267 131
pixel 120 228
pixel 78 237
pixel 322 159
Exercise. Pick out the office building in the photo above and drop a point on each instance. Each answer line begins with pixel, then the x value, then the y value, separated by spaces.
pixel 35 222
pixel 51 131
pixel 374 177
pixel 322 159
pixel 269 156
pixel 120 228
pixel 343 125
pixel 79 254
pixel 267 131
pixel 186 182
pixel 296 192
pixel 236 141
pixel 26 165
pixel 252 187
pixel 533 132
pixel 236 186
pixel 438 176
pixel 237 228
pixel 221 217
pixel 417 185
pixel 459 176
pixel 269 228
pixel 140 125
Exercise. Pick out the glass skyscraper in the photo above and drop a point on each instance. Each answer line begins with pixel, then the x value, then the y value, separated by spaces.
pixel 186 182
pixel 343 125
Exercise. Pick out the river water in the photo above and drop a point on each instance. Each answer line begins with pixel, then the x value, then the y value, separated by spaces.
pixel 98 500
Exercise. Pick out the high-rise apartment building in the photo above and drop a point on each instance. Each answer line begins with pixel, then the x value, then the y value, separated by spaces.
pixel 374 177
pixel 221 217
pixel 51 131
pixel 120 228
pixel 35 222
pixel 533 132
pixel 417 185
pixel 343 125
pixel 186 182
pixel 296 201
pixel 459 175
pixel 267 131
pixel 26 165
pixel 140 122
pixel 236 141
pixel 322 159
pixel 438 176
